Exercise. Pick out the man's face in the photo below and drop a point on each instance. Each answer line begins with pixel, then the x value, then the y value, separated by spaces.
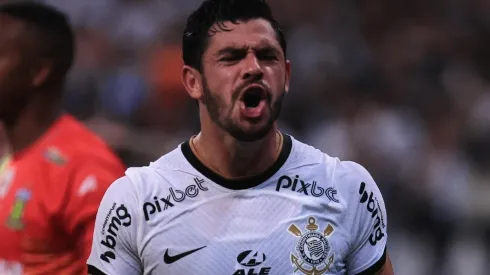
pixel 245 79
pixel 14 74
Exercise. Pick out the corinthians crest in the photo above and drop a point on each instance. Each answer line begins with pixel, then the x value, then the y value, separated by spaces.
pixel 312 249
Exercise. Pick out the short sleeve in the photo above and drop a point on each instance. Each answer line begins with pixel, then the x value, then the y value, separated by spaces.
pixel 368 228
pixel 113 247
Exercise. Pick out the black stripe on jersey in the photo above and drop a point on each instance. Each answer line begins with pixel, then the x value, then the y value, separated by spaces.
pixel 92 270
pixel 244 183
pixel 376 266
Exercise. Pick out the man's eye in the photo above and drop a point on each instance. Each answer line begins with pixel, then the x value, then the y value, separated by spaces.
pixel 267 56
pixel 229 58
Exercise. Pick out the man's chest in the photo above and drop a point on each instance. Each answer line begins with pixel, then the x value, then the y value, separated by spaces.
pixel 22 218
pixel 16 193
pixel 263 233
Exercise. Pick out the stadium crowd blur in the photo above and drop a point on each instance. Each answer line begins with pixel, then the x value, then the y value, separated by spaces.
pixel 400 86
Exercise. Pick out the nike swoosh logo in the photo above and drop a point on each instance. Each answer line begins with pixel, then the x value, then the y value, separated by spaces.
pixel 172 259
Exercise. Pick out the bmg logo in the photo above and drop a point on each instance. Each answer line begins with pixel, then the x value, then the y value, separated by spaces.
pixel 372 205
pixel 123 218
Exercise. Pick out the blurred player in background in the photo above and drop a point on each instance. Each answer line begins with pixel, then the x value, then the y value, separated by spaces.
pixel 240 197
pixel 57 171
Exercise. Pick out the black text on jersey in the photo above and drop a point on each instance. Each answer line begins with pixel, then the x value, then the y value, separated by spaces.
pixel 175 195
pixel 303 187
pixel 375 209
pixel 122 217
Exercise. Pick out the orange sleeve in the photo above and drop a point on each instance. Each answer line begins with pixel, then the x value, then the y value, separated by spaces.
pixel 87 186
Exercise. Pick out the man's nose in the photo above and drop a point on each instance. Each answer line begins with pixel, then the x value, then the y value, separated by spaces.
pixel 252 68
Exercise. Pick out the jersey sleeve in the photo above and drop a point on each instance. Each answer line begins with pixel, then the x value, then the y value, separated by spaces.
pixel 87 184
pixel 368 222
pixel 114 249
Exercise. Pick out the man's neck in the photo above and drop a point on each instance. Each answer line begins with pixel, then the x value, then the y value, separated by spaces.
pixel 234 159
pixel 33 122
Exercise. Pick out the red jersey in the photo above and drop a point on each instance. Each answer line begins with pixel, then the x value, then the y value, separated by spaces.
pixel 49 196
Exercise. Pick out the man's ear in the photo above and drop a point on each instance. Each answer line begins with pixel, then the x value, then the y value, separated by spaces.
pixel 288 76
pixel 192 81
pixel 41 72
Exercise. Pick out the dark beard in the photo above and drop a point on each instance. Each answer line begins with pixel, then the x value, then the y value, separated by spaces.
pixel 215 105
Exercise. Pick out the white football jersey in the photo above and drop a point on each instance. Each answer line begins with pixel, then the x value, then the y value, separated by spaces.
pixel 308 214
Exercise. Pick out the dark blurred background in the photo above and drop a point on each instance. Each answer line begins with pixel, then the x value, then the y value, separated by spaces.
pixel 400 86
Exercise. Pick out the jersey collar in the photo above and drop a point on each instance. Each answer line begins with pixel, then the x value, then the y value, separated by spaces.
pixel 242 183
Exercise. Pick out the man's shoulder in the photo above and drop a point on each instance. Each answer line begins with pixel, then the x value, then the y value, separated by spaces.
pixel 167 171
pixel 171 160
pixel 308 156
pixel 302 152
pixel 345 175
pixel 69 143
pixel 69 153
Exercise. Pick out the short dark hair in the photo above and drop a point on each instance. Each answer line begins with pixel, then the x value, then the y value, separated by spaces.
pixel 197 30
pixel 56 38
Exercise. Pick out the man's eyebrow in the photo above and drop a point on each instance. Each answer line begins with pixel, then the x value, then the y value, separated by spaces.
pixel 268 49
pixel 230 49
pixel 234 50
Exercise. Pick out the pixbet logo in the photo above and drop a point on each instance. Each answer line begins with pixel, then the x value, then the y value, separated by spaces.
pixel 162 204
pixel 250 259
pixel 123 218
pixel 373 207
pixel 306 188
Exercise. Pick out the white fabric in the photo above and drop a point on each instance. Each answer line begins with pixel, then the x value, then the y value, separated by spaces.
pixel 263 228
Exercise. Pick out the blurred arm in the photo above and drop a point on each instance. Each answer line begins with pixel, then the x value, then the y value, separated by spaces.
pixel 387 268
pixel 88 184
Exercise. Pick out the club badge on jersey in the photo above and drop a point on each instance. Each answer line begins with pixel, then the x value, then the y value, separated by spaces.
pixel 54 155
pixel 14 220
pixel 312 255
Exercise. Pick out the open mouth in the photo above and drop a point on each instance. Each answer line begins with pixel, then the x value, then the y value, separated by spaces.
pixel 253 96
